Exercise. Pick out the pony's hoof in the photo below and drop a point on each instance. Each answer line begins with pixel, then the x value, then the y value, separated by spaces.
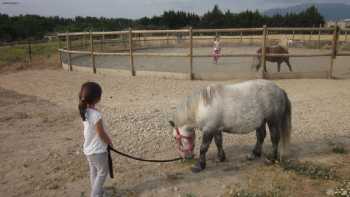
pixel 252 157
pixel 269 162
pixel 272 157
pixel 221 158
pixel 198 167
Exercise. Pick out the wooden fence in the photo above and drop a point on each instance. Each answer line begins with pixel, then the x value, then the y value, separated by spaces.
pixel 263 32
pixel 26 45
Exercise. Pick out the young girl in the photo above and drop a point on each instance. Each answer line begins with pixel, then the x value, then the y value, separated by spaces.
pixel 95 137
pixel 216 50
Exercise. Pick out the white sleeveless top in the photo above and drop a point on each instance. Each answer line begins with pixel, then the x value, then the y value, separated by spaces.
pixel 216 45
pixel 93 144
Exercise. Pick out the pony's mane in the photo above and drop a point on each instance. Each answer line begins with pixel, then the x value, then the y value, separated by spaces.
pixel 187 109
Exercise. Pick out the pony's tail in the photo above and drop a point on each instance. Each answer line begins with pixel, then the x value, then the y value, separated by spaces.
pixel 286 128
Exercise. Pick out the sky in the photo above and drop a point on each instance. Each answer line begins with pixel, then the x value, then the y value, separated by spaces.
pixel 138 8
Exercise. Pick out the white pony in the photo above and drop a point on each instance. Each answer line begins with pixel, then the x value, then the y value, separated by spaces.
pixel 237 109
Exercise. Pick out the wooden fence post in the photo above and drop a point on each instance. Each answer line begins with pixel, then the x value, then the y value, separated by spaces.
pixel 241 36
pixel 124 41
pixel 311 33
pixel 81 42
pixel 141 40
pixel 251 39
pixel 263 52
pixel 59 41
pixel 29 52
pixel 167 39
pixel 346 35
pixel 92 52
pixel 84 41
pixel 334 50
pixel 319 36
pixel 102 41
pixel 68 46
pixel 131 57
pixel 59 47
pixel 191 53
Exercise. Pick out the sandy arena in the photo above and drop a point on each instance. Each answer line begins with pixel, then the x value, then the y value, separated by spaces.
pixel 41 138
pixel 204 66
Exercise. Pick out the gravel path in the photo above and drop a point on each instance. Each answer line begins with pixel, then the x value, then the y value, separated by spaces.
pixel 136 111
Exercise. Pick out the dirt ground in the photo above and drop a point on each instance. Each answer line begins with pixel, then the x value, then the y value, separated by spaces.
pixel 41 139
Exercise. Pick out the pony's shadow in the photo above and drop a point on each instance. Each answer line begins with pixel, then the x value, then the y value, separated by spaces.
pixel 236 160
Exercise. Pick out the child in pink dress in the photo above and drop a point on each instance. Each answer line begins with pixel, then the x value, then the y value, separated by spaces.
pixel 216 50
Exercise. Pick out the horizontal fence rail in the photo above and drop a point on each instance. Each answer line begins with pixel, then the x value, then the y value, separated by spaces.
pixel 299 55
pixel 227 30
pixel 299 29
pixel 131 40
pixel 230 55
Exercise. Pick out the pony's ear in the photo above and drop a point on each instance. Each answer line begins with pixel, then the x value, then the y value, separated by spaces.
pixel 172 123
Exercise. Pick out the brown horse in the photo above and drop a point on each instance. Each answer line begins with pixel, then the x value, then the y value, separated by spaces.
pixel 277 49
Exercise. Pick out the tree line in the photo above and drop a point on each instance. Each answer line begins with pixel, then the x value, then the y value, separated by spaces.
pixel 35 27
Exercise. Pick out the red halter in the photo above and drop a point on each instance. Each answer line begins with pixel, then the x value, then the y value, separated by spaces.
pixel 190 140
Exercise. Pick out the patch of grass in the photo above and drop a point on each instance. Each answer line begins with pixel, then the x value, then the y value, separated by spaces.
pixel 343 190
pixel 190 195
pixel 12 54
pixel 253 191
pixel 176 176
pixel 311 170
pixel 339 149
pixel 45 49
pixel 188 162
pixel 113 191
pixel 19 53
pixel 244 193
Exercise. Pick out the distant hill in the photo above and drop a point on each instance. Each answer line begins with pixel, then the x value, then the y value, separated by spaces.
pixel 330 11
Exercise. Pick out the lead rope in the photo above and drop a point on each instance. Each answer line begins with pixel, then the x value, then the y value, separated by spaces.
pixel 110 162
